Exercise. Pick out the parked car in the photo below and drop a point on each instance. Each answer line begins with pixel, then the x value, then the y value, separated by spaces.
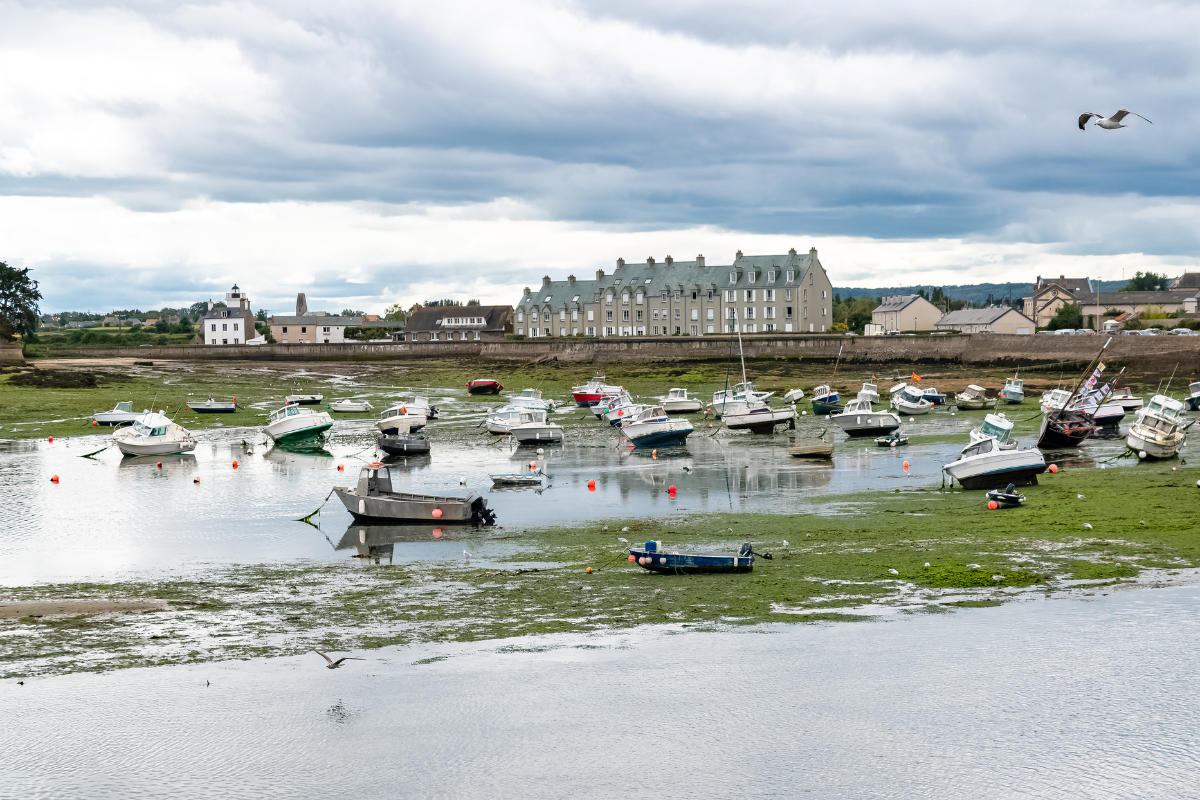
pixel 1065 331
pixel 1179 331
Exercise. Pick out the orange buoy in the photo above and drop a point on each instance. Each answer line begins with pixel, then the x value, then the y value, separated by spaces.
pixel 195 480
pixel 51 440
pixel 588 570
pixel 591 486
pixel 906 466
pixel 1053 468
pixel 437 533
pixel 341 467
pixel 532 465
pixel 632 557
pixel 437 513
pixel 993 505
pixel 160 465
pixel 54 479
pixel 235 465
pixel 403 410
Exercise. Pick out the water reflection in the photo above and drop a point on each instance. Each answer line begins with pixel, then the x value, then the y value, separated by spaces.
pixel 376 543
pixel 187 460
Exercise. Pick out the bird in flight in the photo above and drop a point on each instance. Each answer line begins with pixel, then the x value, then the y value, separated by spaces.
pixel 1108 123
pixel 331 664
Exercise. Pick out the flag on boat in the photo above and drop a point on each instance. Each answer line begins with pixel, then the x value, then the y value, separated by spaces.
pixel 916 377
pixel 1091 382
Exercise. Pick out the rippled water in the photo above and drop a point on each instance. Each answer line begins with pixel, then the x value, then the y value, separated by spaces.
pixel 1038 699
pixel 112 517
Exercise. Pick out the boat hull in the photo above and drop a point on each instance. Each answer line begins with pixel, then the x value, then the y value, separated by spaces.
pixel 760 420
pixel 402 445
pixel 821 450
pixel 824 407
pixel 305 434
pixel 975 405
pixel 691 563
pixel 1155 447
pixel 405 423
pixel 1011 397
pixel 484 387
pixel 998 469
pixel 912 409
pixel 155 448
pixel 403 507
pixel 873 424
pixel 116 418
pixel 659 438
pixel 1064 433
pixel 1194 402
pixel 682 406
pixel 541 434
pixel 304 399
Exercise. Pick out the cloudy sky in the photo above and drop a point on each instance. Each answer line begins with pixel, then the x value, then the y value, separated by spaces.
pixel 153 153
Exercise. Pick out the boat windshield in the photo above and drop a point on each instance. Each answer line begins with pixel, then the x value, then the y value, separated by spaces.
pixel 992 429
pixel 1014 383
pixel 146 430
pixel 978 449
pixel 127 405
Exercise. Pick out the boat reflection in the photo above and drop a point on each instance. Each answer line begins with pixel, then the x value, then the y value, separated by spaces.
pixel 183 459
pixel 376 543
pixel 408 463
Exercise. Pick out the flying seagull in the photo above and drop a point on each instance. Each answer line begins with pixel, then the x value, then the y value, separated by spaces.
pixel 335 664
pixel 1108 123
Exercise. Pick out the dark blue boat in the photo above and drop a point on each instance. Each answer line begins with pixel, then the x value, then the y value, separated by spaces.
pixel 934 396
pixel 652 557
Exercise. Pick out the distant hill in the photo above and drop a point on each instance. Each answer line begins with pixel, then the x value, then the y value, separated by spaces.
pixel 971 292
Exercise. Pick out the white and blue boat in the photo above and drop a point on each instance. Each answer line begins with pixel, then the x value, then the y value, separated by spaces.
pixel 825 400
pixel 653 427
pixel 934 396
pixel 1013 392
pixel 654 558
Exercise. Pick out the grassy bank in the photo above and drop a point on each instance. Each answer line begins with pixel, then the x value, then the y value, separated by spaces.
pixel 834 567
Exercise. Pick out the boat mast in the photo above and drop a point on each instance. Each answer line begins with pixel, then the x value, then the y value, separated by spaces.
pixel 835 366
pixel 1083 377
pixel 741 354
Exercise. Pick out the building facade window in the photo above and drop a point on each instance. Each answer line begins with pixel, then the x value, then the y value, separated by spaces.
pixel 624 298
pixel 749 312
pixel 695 313
pixel 769 312
pixel 790 276
pixel 625 316
pixel 806 312
pixel 591 317
pixel 750 276
pixel 787 294
pixel 710 314
pixel 749 295
pixel 574 315
pixel 638 298
pixel 771 276
pixel 677 312
pixel 639 315
pixel 608 316
pixel 730 295
pixel 695 329
pixel 608 299
pixel 562 316
pixel 733 277
pixel 304 329
pixel 789 312
pixel 520 316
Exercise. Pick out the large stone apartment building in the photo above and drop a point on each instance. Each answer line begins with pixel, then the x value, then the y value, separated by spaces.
pixel 763 294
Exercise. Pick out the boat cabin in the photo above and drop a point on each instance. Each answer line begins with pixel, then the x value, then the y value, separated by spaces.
pixel 530 416
pixel 859 406
pixel 997 427
pixel 822 391
pixel 648 414
pixel 973 392
pixel 979 448
pixel 1055 398
pixel 152 424
pixel 1163 409
pixel 127 405
pixel 374 481
pixel 1014 385
pixel 290 410
pixel 677 394
pixel 912 395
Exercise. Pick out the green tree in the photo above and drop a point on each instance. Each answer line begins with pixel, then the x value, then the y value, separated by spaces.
pixel 474 303
pixel 1066 317
pixel 1146 282
pixel 19 298
pixel 396 313
pixel 350 312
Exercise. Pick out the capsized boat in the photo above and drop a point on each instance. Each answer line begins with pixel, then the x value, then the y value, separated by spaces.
pixel 756 416
pixel 304 399
pixel 534 429
pixel 295 423
pixel 1006 497
pixel 374 499
pixel 860 420
pixel 653 427
pixel 593 391
pixel 122 414
pixel 400 419
pixel 1158 430
pixel 653 557
pixel 348 406
pixel 484 386
pixel 825 400
pixel 893 439
pixel 1013 392
pixel 153 434
pixel 403 444
pixel 1193 398
pixel 678 402
pixel 986 465
pixel 793 396
pixel 910 401
pixel 1065 428
pixel 211 406
pixel 974 398
pixel 819 447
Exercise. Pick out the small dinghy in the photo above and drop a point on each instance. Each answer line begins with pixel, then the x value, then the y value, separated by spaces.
pixel 519 478
pixel 484 386
pixel 893 439
pixel 374 499
pixel 350 406
pixel 1006 498
pixel 403 444
pixel 821 447
pixel 654 558
pixel 211 406
pixel 304 399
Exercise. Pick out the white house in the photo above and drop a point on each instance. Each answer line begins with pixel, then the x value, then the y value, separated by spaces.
pixel 233 324
pixel 986 320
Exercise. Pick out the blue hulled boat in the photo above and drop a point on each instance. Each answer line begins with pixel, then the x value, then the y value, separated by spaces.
pixel 653 558
pixel 934 396
pixel 825 400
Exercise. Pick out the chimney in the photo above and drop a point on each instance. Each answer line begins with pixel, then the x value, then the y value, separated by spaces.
pixel 599 274
pixel 812 252
pixel 739 255
pixel 650 261
pixel 526 291
pixel 546 280
pixel 620 263
pixel 571 280
pixel 700 260
pixel 670 261
pixel 792 252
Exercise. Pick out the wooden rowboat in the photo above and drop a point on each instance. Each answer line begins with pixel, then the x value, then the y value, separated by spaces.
pixel 652 557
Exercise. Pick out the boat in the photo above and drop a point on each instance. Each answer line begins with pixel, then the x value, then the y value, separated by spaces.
pixel 592 392
pixel 1055 398
pixel 537 478
pixel 122 414
pixel 1193 398
pixel 1065 428
pixel 654 558
pixel 1006 497
pixel 294 423
pixel 374 499
pixel 420 405
pixel 484 386
pixel 153 434
pixel 756 416
pixel 533 428
pixel 402 444
pixel 825 400
pixel 858 419
pixel 910 401
pixel 350 406
pixel 870 391
pixel 501 420
pixel 1108 415
pixel 793 396
pixel 610 401
pixel 678 402
pixel 400 419
pixel 820 447
pixel 532 398
pixel 653 427
pixel 1157 432
pixel 1126 399
pixel 211 406
pixel 1013 392
pixel 304 399
pixel 934 396
pixel 624 408
pixel 987 465
pixel 893 439
pixel 996 426
pixel 974 398
pixel 740 391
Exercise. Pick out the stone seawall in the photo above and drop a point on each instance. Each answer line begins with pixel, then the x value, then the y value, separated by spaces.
pixel 1149 353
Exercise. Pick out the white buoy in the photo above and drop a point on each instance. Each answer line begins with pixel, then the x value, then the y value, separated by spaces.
pixel 541 451
pixel 1141 453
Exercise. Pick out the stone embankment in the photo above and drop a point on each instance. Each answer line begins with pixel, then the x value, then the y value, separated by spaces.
pixel 1151 353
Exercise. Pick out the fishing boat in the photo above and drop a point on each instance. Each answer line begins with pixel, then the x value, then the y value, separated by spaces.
pixel 858 419
pixel 1055 398
pixel 973 398
pixel 350 406
pixel 537 478
pixel 1193 398
pixel 996 426
pixel 1006 497
pixel 756 416
pixel 825 400
pixel 1158 430
pixel 304 399
pixel 400 419
pixel 1127 399
pixel 653 427
pixel 934 396
pixel 738 393
pixel 294 423
pixel 1065 423
pixel 678 402
pixel 870 391
pixel 500 421
pixel 374 499
pixel 819 447
pixel 533 428
pixel 420 405
pixel 593 391
pixel 402 444
pixel 793 396
pixel 153 434
pixel 484 386
pixel 653 557
pixel 122 414
pixel 211 406
pixel 532 398
pixel 893 439
pixel 1013 392
pixel 987 465
pixel 910 401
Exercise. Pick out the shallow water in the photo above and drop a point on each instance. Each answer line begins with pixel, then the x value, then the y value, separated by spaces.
pixel 1090 699
pixel 110 517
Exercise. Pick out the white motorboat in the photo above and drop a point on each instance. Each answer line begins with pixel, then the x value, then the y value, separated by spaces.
pixel 858 419
pixel 350 406
pixel 532 398
pixel 754 415
pixel 793 396
pixel 678 402
pixel 825 400
pixel 610 401
pixel 1158 430
pixel 625 407
pixel 1126 399
pixel 400 419
pixel 1054 399
pixel 592 392
pixel 871 391
pixel 419 405
pixel 1013 392
pixel 122 414
pixel 500 421
pixel 295 423
pixel 973 398
pixel 211 406
pixel 910 401
pixel 153 434
pixel 985 464
pixel 653 427
pixel 1193 398
pixel 304 399
pixel 740 391
pixel 995 426
pixel 534 429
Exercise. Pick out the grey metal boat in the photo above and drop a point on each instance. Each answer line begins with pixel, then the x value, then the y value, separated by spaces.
pixel 374 499
pixel 403 444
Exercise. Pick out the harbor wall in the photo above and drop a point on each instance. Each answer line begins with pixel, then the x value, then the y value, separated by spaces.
pixel 1150 353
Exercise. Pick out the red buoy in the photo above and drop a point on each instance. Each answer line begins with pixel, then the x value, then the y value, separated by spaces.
pixel 54 479
pixel 437 513
pixel 1053 468
pixel 160 465
pixel 95 423
pixel 671 491
pixel 341 468
pixel 51 440
pixel 993 505
pixel 591 486
pixel 632 557
pixel 235 465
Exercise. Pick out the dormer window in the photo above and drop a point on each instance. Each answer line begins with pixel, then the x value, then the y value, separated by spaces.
pixel 647 280
pixel 575 299
pixel 547 300
pixel 617 282
pixel 733 277
pixel 750 276
pixel 771 276
pixel 790 276
pixel 624 298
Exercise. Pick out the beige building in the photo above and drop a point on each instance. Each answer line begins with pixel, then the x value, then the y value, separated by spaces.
pixel 1051 294
pixel 311 327
pixel 906 312
pixel 986 320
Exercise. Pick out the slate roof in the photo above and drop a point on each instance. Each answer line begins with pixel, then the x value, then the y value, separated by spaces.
pixel 1188 280
pixel 428 319
pixel 323 321
pixel 897 302
pixel 1136 298
pixel 976 316
pixel 1075 286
